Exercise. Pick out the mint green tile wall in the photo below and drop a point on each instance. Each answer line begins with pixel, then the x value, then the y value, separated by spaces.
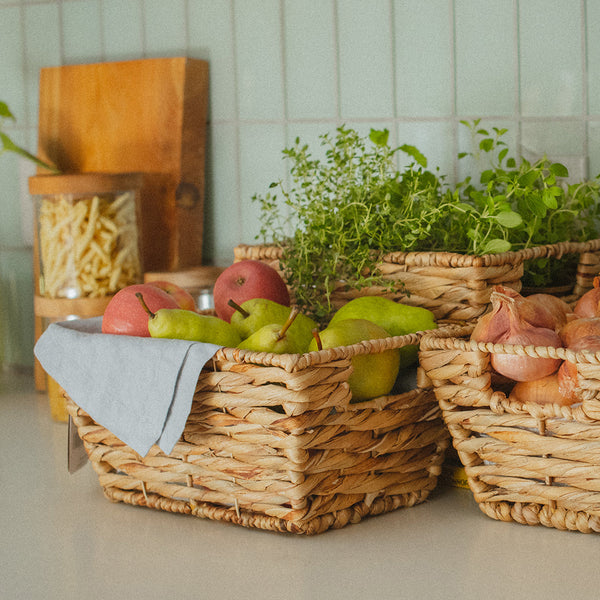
pixel 287 68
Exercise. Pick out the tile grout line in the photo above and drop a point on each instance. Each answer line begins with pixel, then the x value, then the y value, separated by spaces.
pixel 455 134
pixel 585 88
pixel 238 121
pixel 517 74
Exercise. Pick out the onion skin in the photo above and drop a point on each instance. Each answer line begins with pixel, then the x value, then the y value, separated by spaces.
pixel 556 306
pixel 567 374
pixel 589 304
pixel 567 381
pixel 539 310
pixel 579 328
pixel 521 333
pixel 545 390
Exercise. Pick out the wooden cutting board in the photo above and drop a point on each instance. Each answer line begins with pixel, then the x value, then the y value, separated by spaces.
pixel 145 116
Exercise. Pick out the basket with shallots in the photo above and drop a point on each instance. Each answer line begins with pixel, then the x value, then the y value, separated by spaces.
pixel 520 394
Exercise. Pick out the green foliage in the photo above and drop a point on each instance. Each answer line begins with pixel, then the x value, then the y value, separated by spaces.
pixel 524 204
pixel 7 145
pixel 341 214
pixel 345 212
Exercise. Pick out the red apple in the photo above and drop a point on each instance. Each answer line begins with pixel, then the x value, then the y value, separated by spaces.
pixel 183 298
pixel 245 280
pixel 125 314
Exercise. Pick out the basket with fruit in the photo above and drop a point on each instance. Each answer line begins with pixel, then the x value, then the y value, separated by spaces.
pixel 352 224
pixel 520 394
pixel 293 426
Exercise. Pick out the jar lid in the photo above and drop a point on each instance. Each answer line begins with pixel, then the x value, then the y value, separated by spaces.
pixel 85 183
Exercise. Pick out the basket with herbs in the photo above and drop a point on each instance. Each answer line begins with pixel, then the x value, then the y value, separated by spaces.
pixel 353 224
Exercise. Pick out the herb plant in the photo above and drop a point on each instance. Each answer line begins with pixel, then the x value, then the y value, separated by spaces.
pixel 531 206
pixel 345 212
pixel 342 214
pixel 9 146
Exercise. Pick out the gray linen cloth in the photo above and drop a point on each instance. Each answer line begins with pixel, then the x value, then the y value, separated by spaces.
pixel 140 389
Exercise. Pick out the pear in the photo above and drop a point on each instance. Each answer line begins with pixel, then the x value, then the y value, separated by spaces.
pixel 253 314
pixel 276 338
pixel 183 324
pixel 373 374
pixel 396 318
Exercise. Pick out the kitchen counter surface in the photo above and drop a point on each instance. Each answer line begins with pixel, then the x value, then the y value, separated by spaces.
pixel 63 539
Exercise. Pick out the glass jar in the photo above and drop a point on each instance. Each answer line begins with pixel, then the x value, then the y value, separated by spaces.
pixel 86 248
pixel 86 233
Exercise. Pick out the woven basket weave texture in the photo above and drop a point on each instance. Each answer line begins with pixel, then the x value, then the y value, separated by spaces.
pixel 273 442
pixel 455 287
pixel 525 462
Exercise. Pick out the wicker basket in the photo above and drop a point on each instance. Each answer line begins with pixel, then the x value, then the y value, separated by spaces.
pixel 525 462
pixel 455 287
pixel 273 442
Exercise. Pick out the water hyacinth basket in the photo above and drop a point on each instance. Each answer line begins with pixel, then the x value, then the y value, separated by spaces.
pixel 529 463
pixel 455 287
pixel 274 442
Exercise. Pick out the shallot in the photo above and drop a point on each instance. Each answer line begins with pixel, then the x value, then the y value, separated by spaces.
pixel 589 304
pixel 539 310
pixel 579 328
pixel 554 305
pixel 520 332
pixel 545 390
pixel 567 373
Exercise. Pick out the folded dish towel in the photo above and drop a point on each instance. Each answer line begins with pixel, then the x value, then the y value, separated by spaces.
pixel 140 389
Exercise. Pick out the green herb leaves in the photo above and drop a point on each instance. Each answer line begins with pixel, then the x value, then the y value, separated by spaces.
pixel 341 214
pixel 9 146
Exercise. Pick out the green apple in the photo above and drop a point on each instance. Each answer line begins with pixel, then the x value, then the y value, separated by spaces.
pixel 373 374
pixel 396 318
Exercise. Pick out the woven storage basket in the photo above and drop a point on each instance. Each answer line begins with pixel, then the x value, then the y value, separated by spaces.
pixel 273 442
pixel 455 287
pixel 525 462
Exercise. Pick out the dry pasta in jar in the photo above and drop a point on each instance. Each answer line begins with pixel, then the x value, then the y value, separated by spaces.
pixel 88 243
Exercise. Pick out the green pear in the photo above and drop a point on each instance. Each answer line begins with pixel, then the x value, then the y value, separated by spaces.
pixel 373 374
pixel 253 314
pixel 183 324
pixel 396 318
pixel 276 338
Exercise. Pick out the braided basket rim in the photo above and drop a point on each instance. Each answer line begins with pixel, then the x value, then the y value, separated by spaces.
pixel 444 258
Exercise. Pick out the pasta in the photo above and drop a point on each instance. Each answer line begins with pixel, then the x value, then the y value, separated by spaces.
pixel 88 246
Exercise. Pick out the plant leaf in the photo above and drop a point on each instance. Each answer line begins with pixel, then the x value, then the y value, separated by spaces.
pixel 486 144
pixel 508 219
pixel 414 152
pixel 5 111
pixel 549 199
pixel 496 246
pixel 379 137
pixel 559 170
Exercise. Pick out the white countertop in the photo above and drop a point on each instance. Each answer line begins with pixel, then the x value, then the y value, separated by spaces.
pixel 63 540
